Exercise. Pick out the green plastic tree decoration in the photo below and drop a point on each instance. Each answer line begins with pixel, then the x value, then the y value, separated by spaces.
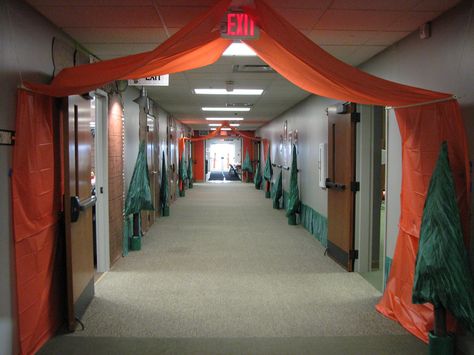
pixel 183 175
pixel 442 273
pixel 294 194
pixel 257 178
pixel 267 175
pixel 278 191
pixel 190 173
pixel 247 165
pixel 164 189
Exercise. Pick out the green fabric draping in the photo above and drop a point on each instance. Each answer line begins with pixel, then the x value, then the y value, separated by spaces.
pixel 315 223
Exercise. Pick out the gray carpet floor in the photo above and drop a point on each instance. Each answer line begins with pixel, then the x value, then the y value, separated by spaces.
pixel 225 273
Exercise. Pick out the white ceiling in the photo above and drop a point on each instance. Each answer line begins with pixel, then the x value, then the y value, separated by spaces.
pixel 352 30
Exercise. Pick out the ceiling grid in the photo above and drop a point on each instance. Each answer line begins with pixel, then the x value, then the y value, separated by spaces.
pixel 351 30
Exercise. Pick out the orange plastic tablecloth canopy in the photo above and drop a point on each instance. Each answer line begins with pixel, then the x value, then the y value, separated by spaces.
pixel 423 127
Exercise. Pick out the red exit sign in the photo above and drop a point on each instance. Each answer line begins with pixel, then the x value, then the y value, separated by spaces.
pixel 239 25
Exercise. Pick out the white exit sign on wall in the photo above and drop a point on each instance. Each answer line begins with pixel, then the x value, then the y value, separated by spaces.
pixel 158 80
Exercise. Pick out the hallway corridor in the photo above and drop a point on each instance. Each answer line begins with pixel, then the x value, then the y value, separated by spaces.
pixel 226 274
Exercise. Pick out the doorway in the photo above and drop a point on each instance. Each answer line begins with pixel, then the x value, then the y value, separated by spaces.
pixel 224 156
pixel 370 201
pixel 99 181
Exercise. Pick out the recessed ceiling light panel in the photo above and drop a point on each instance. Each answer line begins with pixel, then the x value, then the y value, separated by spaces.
pixel 234 109
pixel 224 118
pixel 207 91
pixel 239 49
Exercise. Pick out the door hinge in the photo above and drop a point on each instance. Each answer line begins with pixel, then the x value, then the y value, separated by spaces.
pixel 353 254
pixel 355 186
pixel 355 117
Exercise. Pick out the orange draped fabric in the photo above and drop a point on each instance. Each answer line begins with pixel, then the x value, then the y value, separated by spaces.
pixel 194 46
pixel 422 129
pixel 305 64
pixel 308 66
pixel 36 202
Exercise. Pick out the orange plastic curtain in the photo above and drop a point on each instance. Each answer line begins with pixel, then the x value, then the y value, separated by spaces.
pixel 36 201
pixel 422 129
pixel 305 64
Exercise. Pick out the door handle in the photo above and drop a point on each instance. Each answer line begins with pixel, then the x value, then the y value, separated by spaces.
pixel 334 185
pixel 77 206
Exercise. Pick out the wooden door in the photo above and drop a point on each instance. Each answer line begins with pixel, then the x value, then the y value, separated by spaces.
pixel 78 204
pixel 341 184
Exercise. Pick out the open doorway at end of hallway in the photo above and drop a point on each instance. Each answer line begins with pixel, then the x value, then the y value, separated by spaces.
pixel 224 159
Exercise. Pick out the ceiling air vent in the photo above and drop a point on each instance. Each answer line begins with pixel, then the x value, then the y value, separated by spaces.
pixel 242 104
pixel 252 68
pixel 203 132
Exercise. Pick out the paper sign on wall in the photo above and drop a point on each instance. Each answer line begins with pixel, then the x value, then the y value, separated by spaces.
pixel 157 80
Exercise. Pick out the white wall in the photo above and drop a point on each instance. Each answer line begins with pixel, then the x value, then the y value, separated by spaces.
pixel 25 52
pixel 310 119
pixel 442 63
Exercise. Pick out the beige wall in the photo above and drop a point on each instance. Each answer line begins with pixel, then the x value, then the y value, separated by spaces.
pixel 442 63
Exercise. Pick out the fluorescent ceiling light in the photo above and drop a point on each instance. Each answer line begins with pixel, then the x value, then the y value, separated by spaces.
pixel 224 118
pixel 215 124
pixel 239 49
pixel 239 109
pixel 205 91
pixel 222 129
pixel 234 124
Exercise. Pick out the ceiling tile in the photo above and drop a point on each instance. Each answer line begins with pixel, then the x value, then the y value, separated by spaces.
pixel 401 5
pixel 176 16
pixel 411 21
pixel 300 4
pixel 386 38
pixel 90 2
pixel 357 20
pixel 301 18
pixel 118 49
pixel 118 35
pixel 331 37
pixel 102 16
pixel 436 5
pixel 186 2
